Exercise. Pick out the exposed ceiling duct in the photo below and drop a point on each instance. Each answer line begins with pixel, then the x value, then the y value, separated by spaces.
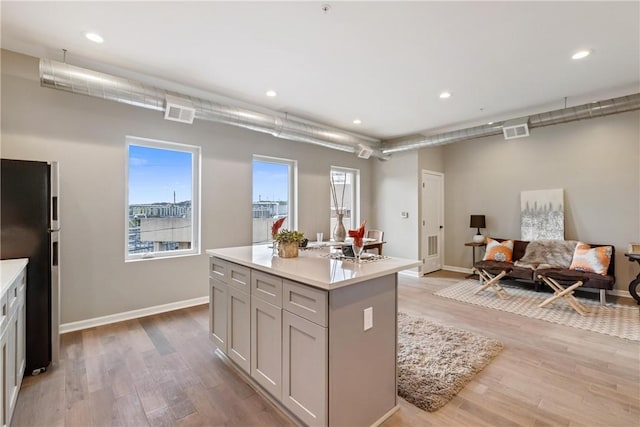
pixel 69 78
pixel 564 115
pixel 62 76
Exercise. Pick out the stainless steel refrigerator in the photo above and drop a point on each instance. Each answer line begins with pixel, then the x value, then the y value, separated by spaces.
pixel 30 228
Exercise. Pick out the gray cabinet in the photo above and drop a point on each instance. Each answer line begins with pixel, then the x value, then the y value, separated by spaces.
pixel 12 344
pixel 218 326
pixel 266 345
pixel 21 315
pixel 239 327
pixel 4 370
pixel 304 363
pixel 307 348
pixel 230 310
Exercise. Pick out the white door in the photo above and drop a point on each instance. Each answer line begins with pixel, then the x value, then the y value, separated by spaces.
pixel 432 229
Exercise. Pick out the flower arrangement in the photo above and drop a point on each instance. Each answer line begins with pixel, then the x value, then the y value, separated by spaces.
pixel 358 234
pixel 276 227
pixel 286 236
pixel 288 242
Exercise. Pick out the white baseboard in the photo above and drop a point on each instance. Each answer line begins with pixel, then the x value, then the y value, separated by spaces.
pixel 410 273
pixel 456 269
pixel 128 315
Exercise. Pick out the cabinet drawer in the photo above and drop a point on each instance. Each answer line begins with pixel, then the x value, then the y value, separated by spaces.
pixel 305 301
pixel 239 277
pixel 218 269
pixel 266 287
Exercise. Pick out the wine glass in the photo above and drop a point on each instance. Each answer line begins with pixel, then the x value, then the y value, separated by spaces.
pixel 357 246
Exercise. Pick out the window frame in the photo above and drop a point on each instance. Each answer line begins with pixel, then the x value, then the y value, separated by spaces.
pixel 355 197
pixel 196 180
pixel 292 166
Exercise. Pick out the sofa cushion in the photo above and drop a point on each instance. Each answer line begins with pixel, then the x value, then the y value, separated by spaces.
pixel 567 277
pixel 548 253
pixel 591 260
pixel 496 267
pixel 498 251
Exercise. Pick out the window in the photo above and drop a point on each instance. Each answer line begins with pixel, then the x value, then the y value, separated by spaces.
pixel 346 183
pixel 162 199
pixel 274 190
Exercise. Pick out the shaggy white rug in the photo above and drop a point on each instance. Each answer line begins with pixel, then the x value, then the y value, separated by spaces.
pixel 613 319
pixel 435 362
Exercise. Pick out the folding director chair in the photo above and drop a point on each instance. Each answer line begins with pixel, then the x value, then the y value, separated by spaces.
pixel 488 280
pixel 566 293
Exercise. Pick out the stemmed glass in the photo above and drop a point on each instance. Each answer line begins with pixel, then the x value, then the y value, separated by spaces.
pixel 357 246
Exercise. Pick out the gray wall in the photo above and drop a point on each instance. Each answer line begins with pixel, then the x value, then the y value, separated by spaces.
pixel 87 136
pixel 595 161
pixel 396 184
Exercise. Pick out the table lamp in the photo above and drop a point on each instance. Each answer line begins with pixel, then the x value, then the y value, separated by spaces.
pixel 478 221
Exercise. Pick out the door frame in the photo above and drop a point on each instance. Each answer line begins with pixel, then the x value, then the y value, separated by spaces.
pixel 422 218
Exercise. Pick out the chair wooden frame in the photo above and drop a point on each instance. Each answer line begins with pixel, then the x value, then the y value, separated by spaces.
pixel 491 281
pixel 565 293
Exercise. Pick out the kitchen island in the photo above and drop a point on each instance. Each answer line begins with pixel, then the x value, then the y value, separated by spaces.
pixel 316 335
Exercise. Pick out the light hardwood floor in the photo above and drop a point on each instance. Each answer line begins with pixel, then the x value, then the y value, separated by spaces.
pixel 162 370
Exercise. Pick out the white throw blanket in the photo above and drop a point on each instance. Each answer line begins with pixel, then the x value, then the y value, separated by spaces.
pixel 547 254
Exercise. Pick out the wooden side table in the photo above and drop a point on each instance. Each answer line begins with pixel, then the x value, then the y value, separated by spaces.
pixel 474 245
pixel 635 283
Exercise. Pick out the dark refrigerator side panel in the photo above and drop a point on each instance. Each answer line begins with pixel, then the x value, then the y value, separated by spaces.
pixel 24 225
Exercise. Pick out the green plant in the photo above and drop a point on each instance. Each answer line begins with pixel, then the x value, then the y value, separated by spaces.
pixel 286 236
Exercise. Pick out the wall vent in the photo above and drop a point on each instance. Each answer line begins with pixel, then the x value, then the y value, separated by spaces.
pixel 364 152
pixel 179 110
pixel 517 128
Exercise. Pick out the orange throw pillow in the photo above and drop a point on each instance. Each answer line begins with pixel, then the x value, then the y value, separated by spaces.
pixel 592 260
pixel 498 251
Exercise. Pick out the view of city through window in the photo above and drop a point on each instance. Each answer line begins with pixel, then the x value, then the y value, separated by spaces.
pixel 160 199
pixel 270 196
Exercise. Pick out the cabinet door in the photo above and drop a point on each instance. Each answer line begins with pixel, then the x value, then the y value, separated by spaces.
pixel 239 324
pixel 218 314
pixel 21 355
pixel 266 345
pixel 304 369
pixel 11 379
pixel 4 349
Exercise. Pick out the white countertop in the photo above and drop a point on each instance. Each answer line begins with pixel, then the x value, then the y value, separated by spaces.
pixel 9 270
pixel 311 267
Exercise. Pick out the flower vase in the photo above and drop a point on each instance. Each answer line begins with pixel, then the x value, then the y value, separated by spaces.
pixel 288 250
pixel 274 246
pixel 339 233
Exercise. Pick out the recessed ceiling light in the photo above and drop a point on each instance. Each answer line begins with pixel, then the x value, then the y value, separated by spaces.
pixel 357 121
pixel 581 54
pixel 271 93
pixel 490 123
pixel 96 38
pixel 445 95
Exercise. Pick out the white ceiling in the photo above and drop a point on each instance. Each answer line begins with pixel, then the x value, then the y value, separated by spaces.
pixel 383 62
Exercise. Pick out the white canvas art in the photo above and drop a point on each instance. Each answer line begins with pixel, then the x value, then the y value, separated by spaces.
pixel 542 214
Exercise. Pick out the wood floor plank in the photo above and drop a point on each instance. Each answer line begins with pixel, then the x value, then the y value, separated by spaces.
pixel 162 370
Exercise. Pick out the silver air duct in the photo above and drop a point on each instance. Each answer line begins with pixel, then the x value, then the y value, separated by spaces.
pixel 564 115
pixel 61 76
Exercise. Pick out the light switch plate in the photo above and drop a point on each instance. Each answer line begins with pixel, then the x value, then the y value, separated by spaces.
pixel 368 318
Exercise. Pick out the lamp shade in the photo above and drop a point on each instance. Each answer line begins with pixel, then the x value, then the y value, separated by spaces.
pixel 477 221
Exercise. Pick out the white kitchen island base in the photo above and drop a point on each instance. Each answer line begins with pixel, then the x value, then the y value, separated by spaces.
pixel 317 336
